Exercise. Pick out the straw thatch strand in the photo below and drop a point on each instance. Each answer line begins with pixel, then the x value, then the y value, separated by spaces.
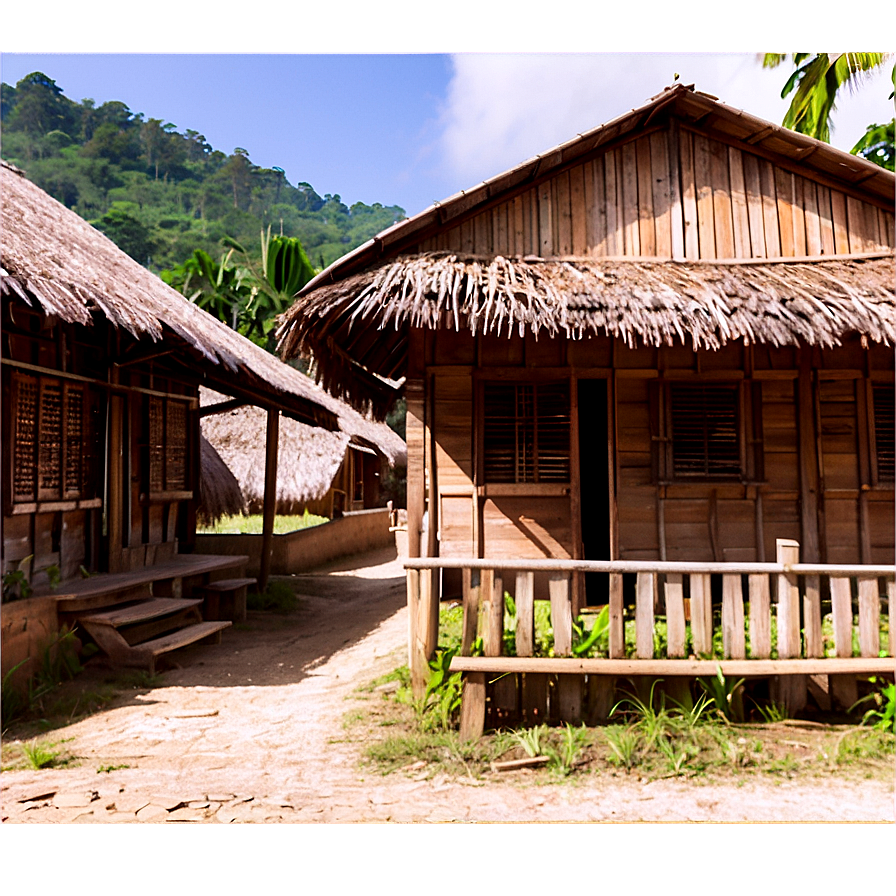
pixel 654 302
pixel 219 491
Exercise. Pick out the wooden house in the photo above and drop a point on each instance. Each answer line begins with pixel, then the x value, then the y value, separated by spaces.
pixel 326 473
pixel 101 368
pixel 667 340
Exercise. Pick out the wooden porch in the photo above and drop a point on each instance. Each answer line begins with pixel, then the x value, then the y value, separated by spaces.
pixel 809 628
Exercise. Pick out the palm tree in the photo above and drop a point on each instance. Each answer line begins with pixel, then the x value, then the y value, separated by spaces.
pixel 816 82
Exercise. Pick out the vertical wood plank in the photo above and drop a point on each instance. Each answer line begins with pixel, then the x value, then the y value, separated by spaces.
pixel 799 216
pixel 812 617
pixel 675 625
pixel 646 224
pixel 500 245
pixel 855 223
pixel 739 212
pixel 600 698
pixel 825 219
pixel 841 611
pixel 813 222
pixel 525 613
pixel 808 458
pixel 701 614
pixel 617 623
pixel 869 617
pixel 755 215
pixel 471 602
pixel 272 442
pixel 515 223
pixel 563 213
pixel 472 706
pixel 579 239
pixel 676 212
pixel 615 244
pixel 723 223
pixel 891 601
pixel 492 591
pixel 561 613
pixel 784 190
pixel 841 230
pixel 760 617
pixel 644 599
pixel 733 641
pixel 689 198
pixel 788 552
pixel 703 179
pixel 662 205
pixel 631 229
pixel 769 209
pixel 597 209
pixel 545 221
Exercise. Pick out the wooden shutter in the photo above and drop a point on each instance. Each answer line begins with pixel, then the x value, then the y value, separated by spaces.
pixel 25 395
pixel 176 446
pixel 49 452
pixel 884 432
pixel 705 431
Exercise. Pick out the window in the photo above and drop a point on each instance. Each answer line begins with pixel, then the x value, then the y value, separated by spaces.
pixel 55 455
pixel 705 431
pixel 884 432
pixel 167 428
pixel 526 432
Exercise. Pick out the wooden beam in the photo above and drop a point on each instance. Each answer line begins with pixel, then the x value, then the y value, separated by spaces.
pixel 270 497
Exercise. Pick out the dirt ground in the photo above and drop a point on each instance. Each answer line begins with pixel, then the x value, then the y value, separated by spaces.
pixel 252 731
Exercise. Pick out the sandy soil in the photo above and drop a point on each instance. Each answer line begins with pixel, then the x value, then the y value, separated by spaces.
pixel 251 731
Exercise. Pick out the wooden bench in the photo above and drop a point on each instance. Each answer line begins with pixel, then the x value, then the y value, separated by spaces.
pixel 226 598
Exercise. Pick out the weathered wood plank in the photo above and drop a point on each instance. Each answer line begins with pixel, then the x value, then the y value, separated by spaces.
pixel 675 622
pixel 673 169
pixel 869 617
pixel 841 230
pixel 689 198
pixel 579 239
pixel 701 613
pixel 705 214
pixel 646 222
pixel 617 623
pixel 545 220
pixel 760 617
pixel 492 591
pixel 563 213
pixel 662 212
pixel 841 611
pixel 813 222
pixel 631 229
pixel 769 209
pixel 525 613
pixel 739 212
pixel 561 613
pixel 472 706
pixel 788 551
pixel 812 616
pixel 644 599
pixel 615 240
pixel 471 605
pixel 891 616
pixel 723 222
pixel 733 644
pixel 799 216
pixel 754 205
pixel 825 219
pixel 784 190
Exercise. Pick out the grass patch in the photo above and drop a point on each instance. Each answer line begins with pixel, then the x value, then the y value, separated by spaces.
pixel 252 524
pixel 278 597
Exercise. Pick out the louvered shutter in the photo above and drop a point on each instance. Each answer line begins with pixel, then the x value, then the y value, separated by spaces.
pixel 884 432
pixel 705 431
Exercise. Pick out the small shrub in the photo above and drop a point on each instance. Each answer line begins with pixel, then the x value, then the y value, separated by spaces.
pixel 278 597
pixel 625 745
pixel 38 756
pixel 882 715
pixel 728 696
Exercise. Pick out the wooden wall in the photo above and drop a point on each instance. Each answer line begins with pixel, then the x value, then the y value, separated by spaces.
pixel 825 450
pixel 675 193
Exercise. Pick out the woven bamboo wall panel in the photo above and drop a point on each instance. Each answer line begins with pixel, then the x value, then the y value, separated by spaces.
pixel 25 465
pixel 674 195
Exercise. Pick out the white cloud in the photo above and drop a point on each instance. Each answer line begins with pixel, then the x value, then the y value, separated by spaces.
pixel 502 109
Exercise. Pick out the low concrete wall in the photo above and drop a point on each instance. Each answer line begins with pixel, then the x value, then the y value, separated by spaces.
pixel 354 533
pixel 27 628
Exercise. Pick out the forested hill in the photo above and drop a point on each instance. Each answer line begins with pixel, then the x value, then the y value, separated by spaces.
pixel 161 193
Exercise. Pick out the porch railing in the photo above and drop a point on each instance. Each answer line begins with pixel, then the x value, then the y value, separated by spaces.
pixel 769 619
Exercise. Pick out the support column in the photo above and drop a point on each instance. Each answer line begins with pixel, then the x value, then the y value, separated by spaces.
pixel 270 497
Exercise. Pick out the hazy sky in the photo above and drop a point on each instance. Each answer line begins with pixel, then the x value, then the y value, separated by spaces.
pixel 404 129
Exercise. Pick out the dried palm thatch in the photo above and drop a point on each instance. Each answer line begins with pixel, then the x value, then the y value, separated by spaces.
pixel 648 300
pixel 219 491
pixel 308 457
pixel 54 260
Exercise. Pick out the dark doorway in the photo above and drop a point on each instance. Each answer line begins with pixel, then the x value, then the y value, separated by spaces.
pixel 595 484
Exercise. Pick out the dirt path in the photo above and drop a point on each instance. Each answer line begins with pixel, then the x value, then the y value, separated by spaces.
pixel 246 731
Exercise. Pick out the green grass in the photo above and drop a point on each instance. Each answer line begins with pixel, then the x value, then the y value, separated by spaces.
pixel 252 524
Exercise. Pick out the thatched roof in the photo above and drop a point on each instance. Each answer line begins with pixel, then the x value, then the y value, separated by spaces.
pixel 54 260
pixel 219 491
pixel 308 457
pixel 354 318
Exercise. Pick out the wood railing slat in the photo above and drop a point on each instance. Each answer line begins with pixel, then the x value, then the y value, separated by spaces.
pixel 644 598
pixel 812 616
pixel 701 613
pixel 733 642
pixel 760 617
pixel 525 613
pixel 561 613
pixel 471 598
pixel 891 600
pixel 675 625
pixel 788 603
pixel 617 618
pixel 841 611
pixel 417 662
pixel 869 617
pixel 492 597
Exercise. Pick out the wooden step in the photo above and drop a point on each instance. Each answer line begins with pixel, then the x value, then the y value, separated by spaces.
pixel 226 598
pixel 145 654
pixel 140 612
pixel 228 584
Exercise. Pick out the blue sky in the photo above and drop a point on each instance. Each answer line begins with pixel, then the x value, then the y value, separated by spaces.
pixel 401 129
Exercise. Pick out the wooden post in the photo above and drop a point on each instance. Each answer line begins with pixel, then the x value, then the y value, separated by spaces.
pixel 617 620
pixel 733 642
pixel 812 617
pixel 644 597
pixel 416 662
pixel 760 617
pixel 701 613
pixel 789 690
pixel 493 612
pixel 471 599
pixel 808 459
pixel 472 707
pixel 675 625
pixel 569 687
pixel 843 688
pixel 525 613
pixel 869 617
pixel 270 496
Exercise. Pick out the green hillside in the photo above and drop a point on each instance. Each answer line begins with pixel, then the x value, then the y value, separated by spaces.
pixel 160 193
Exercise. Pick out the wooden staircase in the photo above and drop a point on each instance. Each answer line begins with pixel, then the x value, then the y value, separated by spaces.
pixel 138 616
